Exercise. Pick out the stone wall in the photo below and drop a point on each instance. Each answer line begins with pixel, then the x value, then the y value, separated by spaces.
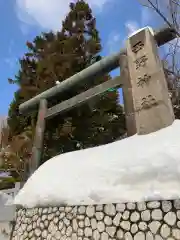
pixel 139 221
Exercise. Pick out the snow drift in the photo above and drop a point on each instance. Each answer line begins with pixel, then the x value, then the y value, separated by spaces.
pixel 137 168
pixel 6 199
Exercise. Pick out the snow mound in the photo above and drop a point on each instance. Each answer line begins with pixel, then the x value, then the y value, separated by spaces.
pixel 141 29
pixel 6 199
pixel 137 168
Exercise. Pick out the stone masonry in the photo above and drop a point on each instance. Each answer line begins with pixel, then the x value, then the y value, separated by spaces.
pixel 139 221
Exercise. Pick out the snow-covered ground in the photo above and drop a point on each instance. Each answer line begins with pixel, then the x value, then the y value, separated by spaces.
pixel 7 210
pixel 7 213
pixel 5 230
pixel 141 29
pixel 137 168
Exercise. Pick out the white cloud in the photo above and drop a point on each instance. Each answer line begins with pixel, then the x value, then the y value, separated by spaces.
pixel 172 46
pixel 48 14
pixel 9 61
pixel 24 28
pixel 116 41
pixel 131 27
pixel 113 42
pixel 98 3
pixel 146 16
pixel 11 46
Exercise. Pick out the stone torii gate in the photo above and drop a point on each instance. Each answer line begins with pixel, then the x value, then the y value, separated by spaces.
pixel 147 104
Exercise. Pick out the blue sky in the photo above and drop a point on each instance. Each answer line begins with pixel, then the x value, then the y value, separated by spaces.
pixel 22 20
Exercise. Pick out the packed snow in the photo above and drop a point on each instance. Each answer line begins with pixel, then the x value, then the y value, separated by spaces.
pixel 138 168
pixel 141 29
pixel 6 199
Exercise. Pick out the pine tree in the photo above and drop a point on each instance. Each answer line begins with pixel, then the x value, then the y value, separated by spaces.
pixel 57 56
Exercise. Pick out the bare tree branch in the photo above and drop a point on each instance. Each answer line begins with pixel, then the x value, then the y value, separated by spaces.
pixel 169 12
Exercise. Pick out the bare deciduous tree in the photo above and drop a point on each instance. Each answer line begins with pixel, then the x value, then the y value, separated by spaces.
pixel 169 12
pixel 15 154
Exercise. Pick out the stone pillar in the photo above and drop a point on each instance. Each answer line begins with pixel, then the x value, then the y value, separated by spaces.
pixel 152 105
pixel 127 96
